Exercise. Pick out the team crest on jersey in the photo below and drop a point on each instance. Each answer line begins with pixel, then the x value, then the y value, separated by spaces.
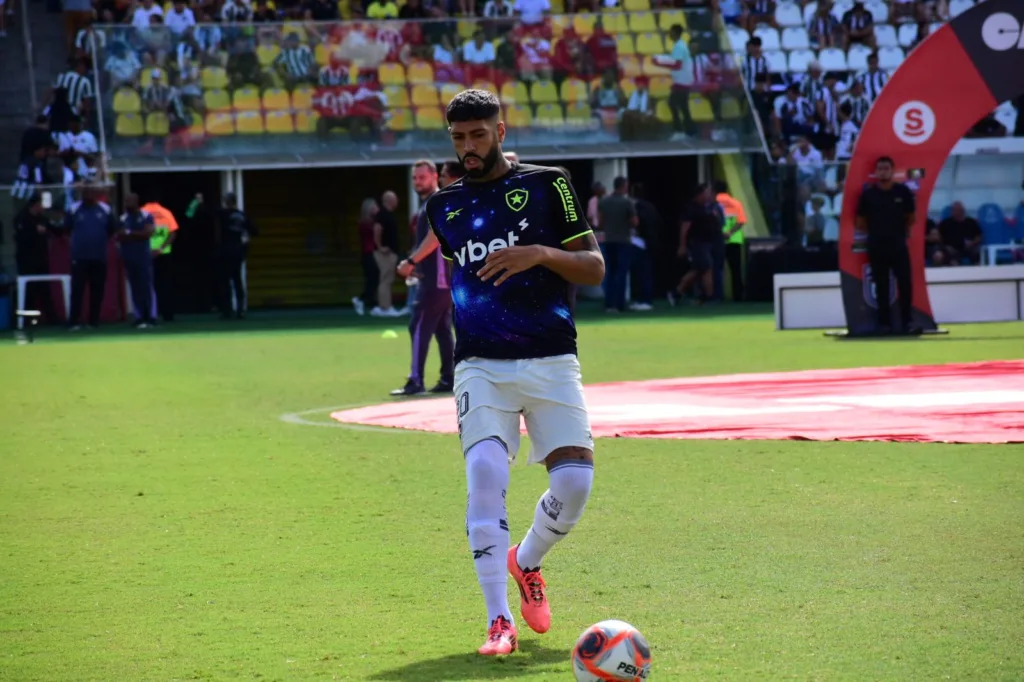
pixel 516 199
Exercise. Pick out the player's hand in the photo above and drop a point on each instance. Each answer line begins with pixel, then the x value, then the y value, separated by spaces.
pixel 510 261
pixel 405 268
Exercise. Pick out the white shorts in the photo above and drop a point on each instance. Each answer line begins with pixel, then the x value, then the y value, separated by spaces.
pixel 548 392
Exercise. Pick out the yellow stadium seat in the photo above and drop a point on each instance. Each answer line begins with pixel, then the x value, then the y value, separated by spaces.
pixel 514 92
pixel 628 86
pixel 652 69
pixel 322 54
pixel 662 111
pixel 630 65
pixel 391 73
pixel 294 27
pixel 220 123
pixel 636 5
pixel 280 122
pixel 420 72
pixel 558 7
pixel 266 54
pixel 559 23
pixel 246 99
pixel 549 115
pixel 670 17
pixel 578 112
pixel 584 24
pixel 276 99
pixel 615 21
pixel 129 125
pixel 448 92
pixel 642 22
pixel 424 95
pixel 661 86
pixel 700 108
pixel 624 44
pixel 398 95
pixel 213 77
pixel 217 100
pixel 302 98
pixel 157 124
pixel 147 76
pixel 731 108
pixel 430 118
pixel 127 101
pixel 401 120
pixel 197 129
pixel 544 92
pixel 467 28
pixel 518 116
pixel 485 85
pixel 249 123
pixel 305 121
pixel 650 44
pixel 574 90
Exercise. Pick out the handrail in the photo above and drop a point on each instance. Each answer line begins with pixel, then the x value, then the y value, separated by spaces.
pixel 104 155
pixel 29 59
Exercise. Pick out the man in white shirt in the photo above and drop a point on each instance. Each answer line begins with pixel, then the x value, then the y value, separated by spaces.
pixel 143 12
pixel 810 166
pixel 478 51
pixel 77 147
pixel 180 18
pixel 848 131
pixel 680 62
pixel 638 121
pixel 532 12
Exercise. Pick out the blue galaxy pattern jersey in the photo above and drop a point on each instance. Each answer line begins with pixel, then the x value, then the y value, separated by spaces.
pixel 527 316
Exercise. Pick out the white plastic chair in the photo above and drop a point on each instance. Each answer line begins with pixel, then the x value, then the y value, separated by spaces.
pixel 738 38
pixel 769 38
pixel 837 204
pixel 831 233
pixel 907 35
pixel 885 36
pixel 776 62
pixel 788 14
pixel 857 57
pixel 795 38
pixel 958 7
pixel 833 59
pixel 840 8
pixel 879 12
pixel 809 10
pixel 890 58
pixel 799 59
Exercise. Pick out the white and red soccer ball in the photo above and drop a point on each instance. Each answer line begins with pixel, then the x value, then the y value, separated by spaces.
pixel 611 651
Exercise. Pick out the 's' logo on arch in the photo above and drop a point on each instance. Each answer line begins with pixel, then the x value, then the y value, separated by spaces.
pixel 914 123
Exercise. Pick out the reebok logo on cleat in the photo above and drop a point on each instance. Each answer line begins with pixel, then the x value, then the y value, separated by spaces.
pixel 480 553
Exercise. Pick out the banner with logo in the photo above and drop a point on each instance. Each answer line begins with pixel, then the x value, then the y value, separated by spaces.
pixel 956 76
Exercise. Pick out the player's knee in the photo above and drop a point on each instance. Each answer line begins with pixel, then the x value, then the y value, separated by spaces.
pixel 487 465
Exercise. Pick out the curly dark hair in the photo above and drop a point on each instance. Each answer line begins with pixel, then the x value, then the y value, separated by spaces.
pixel 473 105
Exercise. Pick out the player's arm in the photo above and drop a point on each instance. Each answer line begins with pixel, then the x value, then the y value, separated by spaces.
pixel 580 262
pixel 424 249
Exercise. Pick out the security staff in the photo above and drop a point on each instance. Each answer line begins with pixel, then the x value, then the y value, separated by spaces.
pixel 91 223
pixel 886 212
pixel 235 232
pixel 160 245
pixel 32 253
pixel 136 228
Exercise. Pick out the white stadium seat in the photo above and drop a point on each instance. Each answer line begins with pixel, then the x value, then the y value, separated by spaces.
pixel 833 59
pixel 907 35
pixel 837 204
pixel 889 58
pixel 935 27
pixel 799 59
pixel 857 57
pixel 788 14
pixel 738 38
pixel 840 8
pixel 809 10
pixel 831 177
pixel 776 61
pixel 879 12
pixel 795 38
pixel 885 36
pixel 958 7
pixel 769 38
pixel 831 233
pixel 1007 115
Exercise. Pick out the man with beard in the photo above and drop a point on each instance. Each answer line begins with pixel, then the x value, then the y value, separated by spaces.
pixel 432 309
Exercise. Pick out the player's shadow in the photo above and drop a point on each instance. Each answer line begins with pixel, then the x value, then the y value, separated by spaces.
pixel 472 666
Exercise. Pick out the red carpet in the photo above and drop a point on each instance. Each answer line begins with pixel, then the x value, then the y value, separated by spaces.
pixel 962 403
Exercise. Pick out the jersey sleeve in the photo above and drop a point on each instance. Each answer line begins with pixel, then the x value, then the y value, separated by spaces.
pixel 446 250
pixel 568 214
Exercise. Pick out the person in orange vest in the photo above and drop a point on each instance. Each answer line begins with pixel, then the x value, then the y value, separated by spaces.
pixel 160 244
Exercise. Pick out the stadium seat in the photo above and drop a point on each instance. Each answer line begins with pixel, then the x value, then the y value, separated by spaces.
pixel 280 122
pixel 146 79
pixel 157 124
pixel 667 18
pixel 907 35
pixel 578 112
pixel 213 77
pixel 776 61
pixel 583 24
pixel 624 44
pixel 831 231
pixel 430 118
pixel 302 98
pixel 518 116
pixel 266 54
pixel 514 92
pixel 890 58
pixel 485 85
pixel 322 54
pixel 549 116
pixel 649 69
pixel 543 92
pixel 841 7
pixel 769 38
pixel 420 72
pixel 629 65
pixel 398 95
pixel 249 123
pixel 661 86
pixel 857 58
pixel 448 92
pixel 220 123
pixel 615 22
pixel 795 38
pixel 129 125
pixel 636 5
pixel 731 108
pixel 837 204
pixel 809 10
pixel 401 119
pixel 305 121
pixel 650 44
pixel 217 100
pixel 738 38
pixel 628 86
pixel 276 99
pixel 127 101
pixel 879 11
pixel 958 7
pixel 466 29
pixel 642 22
pixel 799 59
pixel 662 111
pixel 559 23
pixel 424 95
pixel 700 108
pixel 391 73
pixel 574 90
pixel 833 59
pixel 885 35
pixel 246 99
pixel 788 14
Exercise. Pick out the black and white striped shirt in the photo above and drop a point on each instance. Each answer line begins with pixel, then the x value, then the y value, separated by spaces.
pixel 30 174
pixel 297 61
pixel 859 105
pixel 812 89
pixel 754 67
pixel 762 7
pixel 330 76
pixel 158 97
pixel 873 83
pixel 79 88
pixel 84 41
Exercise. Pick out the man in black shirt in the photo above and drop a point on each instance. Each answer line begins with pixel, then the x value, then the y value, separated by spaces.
pixel 235 232
pixel 961 237
pixel 32 255
pixel 701 228
pixel 886 212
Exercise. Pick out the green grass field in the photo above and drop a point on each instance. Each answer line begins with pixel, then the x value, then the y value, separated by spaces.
pixel 158 520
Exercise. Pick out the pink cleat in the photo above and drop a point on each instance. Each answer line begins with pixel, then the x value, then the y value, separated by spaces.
pixel 501 639
pixel 535 608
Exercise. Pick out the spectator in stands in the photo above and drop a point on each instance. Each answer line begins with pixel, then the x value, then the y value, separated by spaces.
pixel 157 41
pixel 570 57
pixel 478 56
pixel 874 79
pixel 988 126
pixel 859 27
pixel 79 148
pixel 505 55
pixel 263 14
pixel 638 119
pixel 78 15
pixel 382 9
pixel 135 229
pixel 618 220
pixel 321 10
pixel 858 102
pixel 754 64
pixel 711 71
pixel 32 254
pixel 814 223
pixel 122 66
pixel 608 98
pixel 78 85
pixel 823 29
pixel 180 19
pixel 90 43
pixel 603 49
pixel 91 224
pixel 680 62
pixel 817 91
pixel 144 12
pixel 31 176
pixel 500 14
pixel 793 114
pixel 296 63
pixel 758 12
pixel 901 11
pixel 764 103
pixel 334 72
pixel 848 132
pixel 157 96
pixel 961 238
pixel 933 251
pixel 243 65
pixel 385 254
pixel 534 57
pixel 34 137
pixel 238 11
pixel 645 245
pixel 532 12
pixel 810 166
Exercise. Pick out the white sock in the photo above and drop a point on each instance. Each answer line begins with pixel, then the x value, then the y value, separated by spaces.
pixel 559 509
pixel 487 474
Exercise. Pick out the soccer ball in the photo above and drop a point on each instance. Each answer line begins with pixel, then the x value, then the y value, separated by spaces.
pixel 611 651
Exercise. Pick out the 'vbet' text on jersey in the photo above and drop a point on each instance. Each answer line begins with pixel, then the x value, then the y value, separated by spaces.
pixel 527 316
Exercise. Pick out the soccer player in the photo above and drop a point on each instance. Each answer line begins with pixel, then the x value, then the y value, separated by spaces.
pixel 516 237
